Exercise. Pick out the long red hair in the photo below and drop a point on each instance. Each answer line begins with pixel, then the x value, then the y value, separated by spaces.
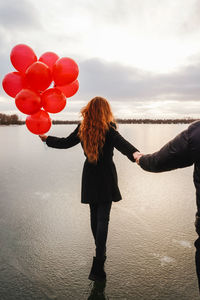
pixel 97 116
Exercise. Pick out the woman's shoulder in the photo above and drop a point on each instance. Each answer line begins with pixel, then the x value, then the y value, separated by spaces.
pixel 112 125
pixel 112 131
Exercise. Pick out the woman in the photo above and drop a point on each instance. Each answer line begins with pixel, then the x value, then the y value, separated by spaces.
pixel 98 136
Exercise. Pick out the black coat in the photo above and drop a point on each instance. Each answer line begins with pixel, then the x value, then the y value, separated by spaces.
pixel 99 181
pixel 181 152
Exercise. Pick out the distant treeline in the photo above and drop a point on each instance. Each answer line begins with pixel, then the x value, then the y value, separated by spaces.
pixel 138 121
pixel 14 120
pixel 155 121
pixel 56 122
pixel 10 120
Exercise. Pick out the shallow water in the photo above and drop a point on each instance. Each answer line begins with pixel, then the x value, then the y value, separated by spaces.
pixel 46 246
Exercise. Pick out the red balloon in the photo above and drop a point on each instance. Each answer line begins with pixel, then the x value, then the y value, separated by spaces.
pixel 28 102
pixel 13 83
pixel 38 76
pixel 53 100
pixel 22 56
pixel 65 71
pixel 38 123
pixel 49 58
pixel 70 89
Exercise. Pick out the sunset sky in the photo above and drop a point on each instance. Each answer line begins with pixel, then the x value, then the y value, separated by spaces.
pixel 143 56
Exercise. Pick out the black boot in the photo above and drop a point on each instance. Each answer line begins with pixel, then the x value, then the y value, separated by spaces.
pixel 97 272
pixel 98 291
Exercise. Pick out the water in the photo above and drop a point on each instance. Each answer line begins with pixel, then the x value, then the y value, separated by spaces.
pixel 46 246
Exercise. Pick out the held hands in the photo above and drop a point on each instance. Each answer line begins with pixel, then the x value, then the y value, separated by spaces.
pixel 43 137
pixel 136 156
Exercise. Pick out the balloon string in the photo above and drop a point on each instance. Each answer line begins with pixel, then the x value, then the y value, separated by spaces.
pixel 45 145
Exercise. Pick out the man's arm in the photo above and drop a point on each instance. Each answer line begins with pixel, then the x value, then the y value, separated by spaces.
pixel 173 155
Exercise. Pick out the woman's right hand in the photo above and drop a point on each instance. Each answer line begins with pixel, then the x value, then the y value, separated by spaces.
pixel 137 156
pixel 43 137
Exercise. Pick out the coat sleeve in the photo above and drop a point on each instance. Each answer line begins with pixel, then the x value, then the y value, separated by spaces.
pixel 123 145
pixel 194 140
pixel 175 154
pixel 64 143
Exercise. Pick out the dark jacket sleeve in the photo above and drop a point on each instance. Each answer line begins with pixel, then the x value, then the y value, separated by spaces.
pixel 64 143
pixel 175 154
pixel 194 140
pixel 123 145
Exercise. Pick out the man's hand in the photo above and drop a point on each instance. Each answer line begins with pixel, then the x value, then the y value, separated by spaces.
pixel 138 158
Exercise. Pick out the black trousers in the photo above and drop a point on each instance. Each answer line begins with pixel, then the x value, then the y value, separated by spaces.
pixel 99 219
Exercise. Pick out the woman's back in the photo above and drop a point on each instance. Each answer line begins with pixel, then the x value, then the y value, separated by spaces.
pixel 98 136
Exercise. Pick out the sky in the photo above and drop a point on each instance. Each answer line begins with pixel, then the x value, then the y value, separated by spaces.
pixel 143 56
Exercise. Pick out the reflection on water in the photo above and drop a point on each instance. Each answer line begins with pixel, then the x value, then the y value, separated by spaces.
pixel 46 245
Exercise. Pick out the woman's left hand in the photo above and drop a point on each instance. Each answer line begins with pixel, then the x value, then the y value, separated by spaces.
pixel 43 137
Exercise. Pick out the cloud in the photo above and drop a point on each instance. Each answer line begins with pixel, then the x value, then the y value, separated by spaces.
pixel 116 10
pixel 191 23
pixel 98 77
pixel 160 18
pixel 104 35
pixel 4 63
pixel 182 85
pixel 126 84
pixel 18 14
pixel 19 23
pixel 119 82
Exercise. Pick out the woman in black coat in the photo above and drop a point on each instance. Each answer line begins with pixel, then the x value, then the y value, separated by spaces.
pixel 98 136
pixel 182 151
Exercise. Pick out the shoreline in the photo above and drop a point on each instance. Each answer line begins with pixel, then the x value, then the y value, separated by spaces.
pixel 118 121
pixel 14 120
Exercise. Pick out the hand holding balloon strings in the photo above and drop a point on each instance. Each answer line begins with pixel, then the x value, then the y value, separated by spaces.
pixel 30 83
pixel 43 139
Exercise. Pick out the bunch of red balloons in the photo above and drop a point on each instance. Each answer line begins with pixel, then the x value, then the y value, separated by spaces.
pixel 30 85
